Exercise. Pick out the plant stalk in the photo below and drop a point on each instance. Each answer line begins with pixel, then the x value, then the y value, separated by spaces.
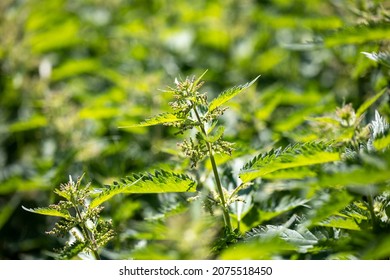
pixel 220 190
pixel 86 232
pixel 225 209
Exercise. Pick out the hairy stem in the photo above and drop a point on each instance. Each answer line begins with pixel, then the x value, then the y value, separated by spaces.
pixel 225 209
pixel 87 233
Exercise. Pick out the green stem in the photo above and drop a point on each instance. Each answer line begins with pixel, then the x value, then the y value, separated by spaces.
pixel 87 233
pixel 372 212
pixel 225 209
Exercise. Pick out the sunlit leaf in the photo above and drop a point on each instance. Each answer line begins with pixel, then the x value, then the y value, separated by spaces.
pixel 72 250
pixel 358 35
pixel 382 142
pixel 49 211
pixel 340 223
pixel 32 123
pixel 159 119
pixel 159 182
pixel 258 249
pixel 297 155
pixel 74 68
pixel 366 104
pixel 226 95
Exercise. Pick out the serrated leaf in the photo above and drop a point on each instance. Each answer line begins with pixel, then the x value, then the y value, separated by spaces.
pixel 200 77
pixel 159 119
pixel 297 155
pixel 159 182
pixel 291 173
pixel 330 206
pixel 379 126
pixel 217 135
pixel 284 205
pixel 375 171
pixel 63 194
pixel 72 250
pixel 228 94
pixel 363 108
pixel 49 212
pixel 302 238
pixel 381 57
pixel 338 222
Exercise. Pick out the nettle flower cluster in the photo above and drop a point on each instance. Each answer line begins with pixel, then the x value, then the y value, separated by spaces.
pixel 88 231
pixel 194 111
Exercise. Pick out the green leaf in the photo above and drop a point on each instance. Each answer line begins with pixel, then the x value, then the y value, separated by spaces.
pixel 258 249
pixel 301 238
pixel 217 135
pixel 18 184
pixel 325 120
pixel 291 173
pixel 342 223
pixel 269 209
pixel 296 118
pixel 72 250
pixel 49 211
pixel 159 182
pixel 226 95
pixel 74 68
pixel 159 119
pixel 358 177
pixel 305 154
pixel 63 194
pixel 284 205
pixel 98 113
pixel 199 78
pixel 362 109
pixel 381 142
pixel 381 57
pixel 56 37
pixel 380 249
pixel 34 122
pixel 358 35
pixel 265 112
pixel 329 205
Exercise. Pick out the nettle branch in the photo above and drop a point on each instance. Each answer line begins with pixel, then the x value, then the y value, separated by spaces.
pixel 191 110
pixel 80 218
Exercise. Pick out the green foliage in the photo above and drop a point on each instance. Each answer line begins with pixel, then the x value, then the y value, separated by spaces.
pixel 80 219
pixel 191 110
pixel 50 211
pixel 159 182
pixel 297 155
pixel 164 118
pixel 228 94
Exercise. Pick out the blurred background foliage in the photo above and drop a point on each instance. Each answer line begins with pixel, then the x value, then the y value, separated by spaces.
pixel 71 72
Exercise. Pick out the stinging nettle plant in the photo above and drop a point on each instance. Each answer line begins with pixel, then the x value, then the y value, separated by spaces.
pixel 191 110
pixel 80 208
pixel 81 219
pixel 324 167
